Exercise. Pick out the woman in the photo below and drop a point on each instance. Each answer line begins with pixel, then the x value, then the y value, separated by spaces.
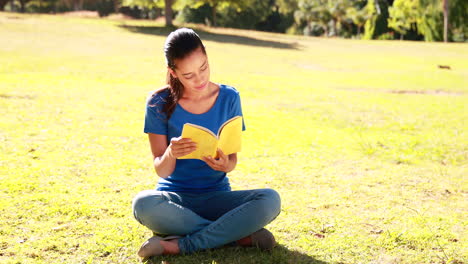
pixel 193 205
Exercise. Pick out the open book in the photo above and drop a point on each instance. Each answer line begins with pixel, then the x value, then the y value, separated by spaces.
pixel 228 139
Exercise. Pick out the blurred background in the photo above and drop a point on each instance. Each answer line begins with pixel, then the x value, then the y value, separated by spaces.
pixel 429 20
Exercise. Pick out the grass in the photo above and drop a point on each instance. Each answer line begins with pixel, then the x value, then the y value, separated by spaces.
pixel 366 141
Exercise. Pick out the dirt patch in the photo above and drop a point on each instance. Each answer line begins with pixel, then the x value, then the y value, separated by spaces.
pixel 119 17
pixel 433 92
pixel 7 96
pixel 421 92
pixel 82 14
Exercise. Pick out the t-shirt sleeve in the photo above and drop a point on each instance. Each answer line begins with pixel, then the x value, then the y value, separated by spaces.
pixel 155 118
pixel 236 109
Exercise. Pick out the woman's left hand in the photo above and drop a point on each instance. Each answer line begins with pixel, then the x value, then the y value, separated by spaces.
pixel 222 163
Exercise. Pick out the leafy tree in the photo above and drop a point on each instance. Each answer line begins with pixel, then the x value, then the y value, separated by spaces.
pixel 337 10
pixel 377 14
pixel 446 18
pixel 457 20
pixel 154 4
pixel 331 15
pixel 403 16
pixel 216 5
pixel 358 16
pixel 425 16
pixel 252 16
pixel 313 13
pixel 168 14
pixel 148 4
pixel 3 4
pixel 287 6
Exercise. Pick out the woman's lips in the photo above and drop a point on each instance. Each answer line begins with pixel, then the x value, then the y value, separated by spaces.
pixel 201 86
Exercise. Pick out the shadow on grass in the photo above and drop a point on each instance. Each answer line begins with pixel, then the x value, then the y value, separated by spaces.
pixel 238 255
pixel 217 37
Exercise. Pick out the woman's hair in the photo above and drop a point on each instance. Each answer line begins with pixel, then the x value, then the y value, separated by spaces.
pixel 179 44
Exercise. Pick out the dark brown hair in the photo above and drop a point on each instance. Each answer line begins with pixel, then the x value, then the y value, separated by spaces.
pixel 179 44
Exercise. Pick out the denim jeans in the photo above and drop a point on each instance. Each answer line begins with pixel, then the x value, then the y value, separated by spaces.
pixel 206 220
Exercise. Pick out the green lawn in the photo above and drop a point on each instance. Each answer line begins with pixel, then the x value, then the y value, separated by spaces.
pixel 366 141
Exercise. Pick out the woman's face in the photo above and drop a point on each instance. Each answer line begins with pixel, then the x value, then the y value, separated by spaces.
pixel 193 71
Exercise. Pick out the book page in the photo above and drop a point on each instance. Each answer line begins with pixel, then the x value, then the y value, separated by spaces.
pixel 230 137
pixel 205 139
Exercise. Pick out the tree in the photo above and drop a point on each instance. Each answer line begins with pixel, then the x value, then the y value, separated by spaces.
pixel 335 17
pixel 424 15
pixel 287 6
pixel 215 4
pixel 457 20
pixel 152 4
pixel 402 16
pixel 377 14
pixel 168 12
pixel 23 5
pixel 358 16
pixel 3 4
pixel 313 12
pixel 337 10
pixel 446 18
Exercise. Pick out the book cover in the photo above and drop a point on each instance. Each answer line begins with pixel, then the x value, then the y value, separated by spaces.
pixel 228 138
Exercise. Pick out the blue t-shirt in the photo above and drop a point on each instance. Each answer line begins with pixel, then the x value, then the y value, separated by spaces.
pixel 192 175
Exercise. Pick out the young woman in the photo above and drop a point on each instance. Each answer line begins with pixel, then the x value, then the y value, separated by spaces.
pixel 193 207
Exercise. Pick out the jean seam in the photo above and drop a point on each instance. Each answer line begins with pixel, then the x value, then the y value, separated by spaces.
pixel 237 210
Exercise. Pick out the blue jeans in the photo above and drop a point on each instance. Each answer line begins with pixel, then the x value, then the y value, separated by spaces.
pixel 206 220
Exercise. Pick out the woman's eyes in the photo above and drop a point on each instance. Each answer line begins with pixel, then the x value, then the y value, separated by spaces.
pixel 190 77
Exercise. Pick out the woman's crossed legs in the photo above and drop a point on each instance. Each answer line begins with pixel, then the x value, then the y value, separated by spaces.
pixel 206 220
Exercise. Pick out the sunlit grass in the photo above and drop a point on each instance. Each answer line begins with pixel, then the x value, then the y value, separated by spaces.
pixel 365 140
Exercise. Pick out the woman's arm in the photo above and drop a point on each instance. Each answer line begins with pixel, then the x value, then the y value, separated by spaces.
pixel 165 156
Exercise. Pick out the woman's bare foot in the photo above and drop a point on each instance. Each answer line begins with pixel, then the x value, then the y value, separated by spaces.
pixel 171 247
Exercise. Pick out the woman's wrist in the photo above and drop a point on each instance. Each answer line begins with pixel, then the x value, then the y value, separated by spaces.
pixel 231 164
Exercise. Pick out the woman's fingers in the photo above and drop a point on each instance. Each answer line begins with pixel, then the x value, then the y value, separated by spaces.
pixel 217 164
pixel 221 156
pixel 182 146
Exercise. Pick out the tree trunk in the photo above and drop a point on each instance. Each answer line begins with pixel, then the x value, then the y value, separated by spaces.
pixel 23 5
pixel 446 18
pixel 335 30
pixel 168 12
pixel 116 6
pixel 213 13
pixel 77 5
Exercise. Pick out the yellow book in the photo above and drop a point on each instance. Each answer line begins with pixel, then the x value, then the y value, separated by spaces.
pixel 228 139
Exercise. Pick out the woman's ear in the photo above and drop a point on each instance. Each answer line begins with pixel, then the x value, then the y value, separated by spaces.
pixel 171 72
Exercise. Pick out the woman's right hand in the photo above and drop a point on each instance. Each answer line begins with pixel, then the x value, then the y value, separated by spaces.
pixel 181 146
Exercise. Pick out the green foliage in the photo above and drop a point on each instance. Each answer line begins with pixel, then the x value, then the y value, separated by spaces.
pixel 147 4
pixel 377 13
pixel 257 14
pixel 425 16
pixel 287 6
pixel 199 15
pixel 358 16
pixel 458 20
pixel 402 16
pixel 216 5
pixel 335 17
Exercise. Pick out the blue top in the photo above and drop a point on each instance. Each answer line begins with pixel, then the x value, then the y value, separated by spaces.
pixel 192 175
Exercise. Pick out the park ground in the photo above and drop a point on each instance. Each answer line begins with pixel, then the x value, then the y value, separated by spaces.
pixel 366 142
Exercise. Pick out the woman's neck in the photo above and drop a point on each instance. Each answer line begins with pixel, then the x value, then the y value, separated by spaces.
pixel 202 102
pixel 200 96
